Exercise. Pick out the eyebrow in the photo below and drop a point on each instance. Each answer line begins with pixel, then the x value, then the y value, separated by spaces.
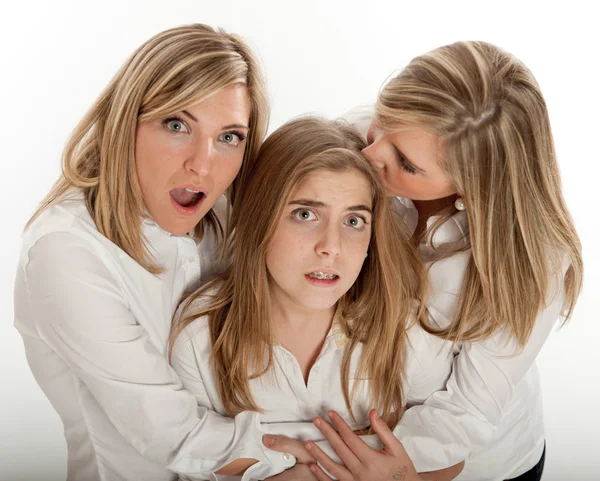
pixel 189 115
pixel 236 126
pixel 226 127
pixel 399 153
pixel 314 203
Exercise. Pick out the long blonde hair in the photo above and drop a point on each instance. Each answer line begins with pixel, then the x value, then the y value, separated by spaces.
pixel 491 118
pixel 170 72
pixel 375 311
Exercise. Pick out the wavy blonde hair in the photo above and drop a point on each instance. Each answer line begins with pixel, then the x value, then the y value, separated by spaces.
pixel 375 311
pixel 491 118
pixel 170 72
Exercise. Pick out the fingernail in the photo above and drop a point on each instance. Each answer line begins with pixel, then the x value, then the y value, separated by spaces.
pixel 317 422
pixel 308 446
pixel 268 440
pixel 375 415
pixel 330 414
pixel 313 468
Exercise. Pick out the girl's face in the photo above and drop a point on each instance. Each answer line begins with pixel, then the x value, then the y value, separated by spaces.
pixel 322 240
pixel 187 160
pixel 408 162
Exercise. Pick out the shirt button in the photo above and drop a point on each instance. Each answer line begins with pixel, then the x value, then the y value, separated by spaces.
pixel 287 456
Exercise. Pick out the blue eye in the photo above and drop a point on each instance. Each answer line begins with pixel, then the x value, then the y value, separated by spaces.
pixel 304 215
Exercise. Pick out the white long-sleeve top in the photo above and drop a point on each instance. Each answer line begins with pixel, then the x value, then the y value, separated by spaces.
pixel 290 404
pixel 95 326
pixel 488 409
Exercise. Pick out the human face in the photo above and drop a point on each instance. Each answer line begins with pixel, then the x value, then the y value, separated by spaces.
pixel 408 162
pixel 326 227
pixel 185 161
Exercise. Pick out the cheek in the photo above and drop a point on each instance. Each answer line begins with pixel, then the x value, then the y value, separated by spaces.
pixel 226 170
pixel 155 161
pixel 358 248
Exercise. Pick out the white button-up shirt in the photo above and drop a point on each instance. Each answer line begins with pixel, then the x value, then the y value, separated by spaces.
pixel 95 326
pixel 290 404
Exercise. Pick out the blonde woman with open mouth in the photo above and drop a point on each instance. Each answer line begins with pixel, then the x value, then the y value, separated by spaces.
pixel 133 222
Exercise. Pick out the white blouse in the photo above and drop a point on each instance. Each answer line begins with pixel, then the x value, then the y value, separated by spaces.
pixel 95 326
pixel 290 404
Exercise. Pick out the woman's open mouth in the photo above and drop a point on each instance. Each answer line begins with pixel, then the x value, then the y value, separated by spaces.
pixel 187 200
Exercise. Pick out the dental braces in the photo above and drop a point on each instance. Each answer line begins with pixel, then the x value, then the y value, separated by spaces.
pixel 321 275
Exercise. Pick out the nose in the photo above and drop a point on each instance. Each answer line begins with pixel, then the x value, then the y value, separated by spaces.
pixel 200 158
pixel 371 153
pixel 330 241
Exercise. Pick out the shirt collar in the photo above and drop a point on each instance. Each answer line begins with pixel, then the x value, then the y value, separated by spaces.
pixel 451 234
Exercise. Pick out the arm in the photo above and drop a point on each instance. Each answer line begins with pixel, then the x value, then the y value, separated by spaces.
pixel 83 316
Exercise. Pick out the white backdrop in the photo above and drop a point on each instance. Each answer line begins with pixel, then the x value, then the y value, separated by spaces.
pixel 321 57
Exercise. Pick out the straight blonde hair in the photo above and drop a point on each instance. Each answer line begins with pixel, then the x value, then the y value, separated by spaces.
pixel 375 311
pixel 492 121
pixel 170 72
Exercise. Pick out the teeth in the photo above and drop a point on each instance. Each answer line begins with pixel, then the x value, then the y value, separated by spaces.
pixel 321 275
pixel 193 191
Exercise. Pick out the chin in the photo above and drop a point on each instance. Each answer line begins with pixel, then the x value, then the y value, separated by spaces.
pixel 178 228
pixel 321 304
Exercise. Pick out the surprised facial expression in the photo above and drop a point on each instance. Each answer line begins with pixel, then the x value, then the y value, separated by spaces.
pixel 186 161
pixel 322 239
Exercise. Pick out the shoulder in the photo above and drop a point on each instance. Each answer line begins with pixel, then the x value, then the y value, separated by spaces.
pixel 63 244
pixel 62 226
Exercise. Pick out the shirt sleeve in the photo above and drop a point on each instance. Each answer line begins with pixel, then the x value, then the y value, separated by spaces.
pixel 82 314
pixel 443 430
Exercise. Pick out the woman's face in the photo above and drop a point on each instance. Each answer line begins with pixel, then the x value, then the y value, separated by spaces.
pixel 186 161
pixel 322 239
pixel 408 162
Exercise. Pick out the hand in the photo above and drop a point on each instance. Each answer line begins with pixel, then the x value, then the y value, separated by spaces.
pixel 300 472
pixel 283 444
pixel 361 462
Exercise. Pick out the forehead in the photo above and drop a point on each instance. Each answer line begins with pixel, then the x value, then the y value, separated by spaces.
pixel 340 187
pixel 230 101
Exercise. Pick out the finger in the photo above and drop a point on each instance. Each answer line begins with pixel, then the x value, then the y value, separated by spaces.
pixel 318 473
pixel 391 444
pixel 283 444
pixel 338 444
pixel 358 447
pixel 337 470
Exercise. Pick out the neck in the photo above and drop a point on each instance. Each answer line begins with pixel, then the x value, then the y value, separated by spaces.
pixel 291 316
pixel 429 208
pixel 301 331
